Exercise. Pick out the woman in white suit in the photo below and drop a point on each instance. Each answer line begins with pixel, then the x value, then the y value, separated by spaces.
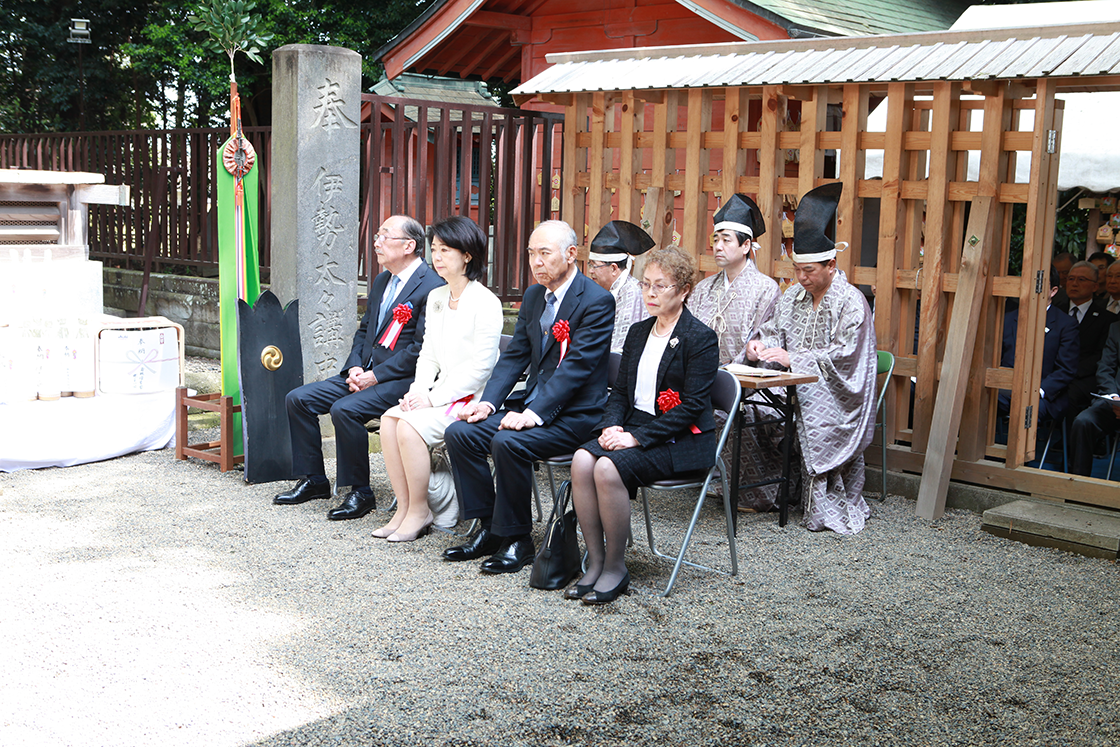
pixel 463 328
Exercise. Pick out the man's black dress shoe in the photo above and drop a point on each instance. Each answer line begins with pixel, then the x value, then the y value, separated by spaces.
pixel 511 557
pixel 481 544
pixel 354 506
pixel 304 491
pixel 606 597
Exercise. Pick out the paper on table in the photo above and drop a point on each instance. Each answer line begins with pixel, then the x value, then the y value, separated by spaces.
pixel 740 370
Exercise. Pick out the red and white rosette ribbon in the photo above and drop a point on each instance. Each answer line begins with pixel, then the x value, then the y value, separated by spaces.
pixel 401 316
pixel 562 332
pixel 459 403
pixel 669 399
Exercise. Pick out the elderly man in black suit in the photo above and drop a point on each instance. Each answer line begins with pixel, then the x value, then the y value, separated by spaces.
pixel 1093 320
pixel 1103 416
pixel 1060 355
pixel 562 337
pixel 381 366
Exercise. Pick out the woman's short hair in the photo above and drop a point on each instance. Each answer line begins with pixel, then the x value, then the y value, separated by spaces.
pixel 463 234
pixel 675 263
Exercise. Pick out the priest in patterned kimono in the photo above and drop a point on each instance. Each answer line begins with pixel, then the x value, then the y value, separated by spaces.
pixel 608 263
pixel 823 327
pixel 734 303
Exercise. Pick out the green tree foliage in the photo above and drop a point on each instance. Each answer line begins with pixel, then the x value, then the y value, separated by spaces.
pixel 147 64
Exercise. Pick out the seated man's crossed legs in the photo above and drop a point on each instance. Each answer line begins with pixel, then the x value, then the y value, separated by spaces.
pixel 502 502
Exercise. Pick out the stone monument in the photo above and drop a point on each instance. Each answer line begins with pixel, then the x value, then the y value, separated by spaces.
pixel 316 146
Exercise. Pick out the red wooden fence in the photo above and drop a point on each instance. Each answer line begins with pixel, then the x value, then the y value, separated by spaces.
pixel 420 152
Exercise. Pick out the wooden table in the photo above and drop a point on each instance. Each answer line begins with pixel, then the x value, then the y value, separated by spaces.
pixel 762 385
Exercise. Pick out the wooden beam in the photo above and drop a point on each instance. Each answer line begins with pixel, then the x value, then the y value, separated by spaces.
pixel 664 161
pixel 734 122
pixel 575 161
pixel 697 161
pixel 770 163
pixel 491 20
pixel 942 168
pixel 993 170
pixel 892 248
pixel 957 362
pixel 849 220
pixel 631 121
pixel 1038 237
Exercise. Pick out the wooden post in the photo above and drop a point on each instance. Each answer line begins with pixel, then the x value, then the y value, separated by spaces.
pixel 849 221
pixel 959 347
pixel 942 171
pixel 993 170
pixel 697 158
pixel 770 165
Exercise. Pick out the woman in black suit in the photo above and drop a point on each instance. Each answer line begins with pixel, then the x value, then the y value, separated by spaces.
pixel 658 422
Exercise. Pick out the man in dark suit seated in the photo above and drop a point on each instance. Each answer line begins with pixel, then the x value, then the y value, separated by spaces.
pixel 1060 354
pixel 381 366
pixel 1103 416
pixel 562 337
pixel 1093 321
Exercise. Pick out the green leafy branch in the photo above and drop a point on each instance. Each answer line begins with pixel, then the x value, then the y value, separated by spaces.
pixel 232 28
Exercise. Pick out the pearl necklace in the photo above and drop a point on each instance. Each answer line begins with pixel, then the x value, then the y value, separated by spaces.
pixel 453 298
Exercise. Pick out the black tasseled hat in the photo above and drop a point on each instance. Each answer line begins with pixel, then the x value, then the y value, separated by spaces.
pixel 740 213
pixel 813 217
pixel 619 239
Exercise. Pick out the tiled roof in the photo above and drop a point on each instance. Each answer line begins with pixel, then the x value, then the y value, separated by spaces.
pixel 863 17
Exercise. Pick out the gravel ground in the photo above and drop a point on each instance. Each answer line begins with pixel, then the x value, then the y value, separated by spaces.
pixel 150 601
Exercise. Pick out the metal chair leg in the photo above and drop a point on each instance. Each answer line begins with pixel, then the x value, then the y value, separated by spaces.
pixel 1112 457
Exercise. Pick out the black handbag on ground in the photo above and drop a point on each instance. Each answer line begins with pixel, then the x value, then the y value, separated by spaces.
pixel 558 560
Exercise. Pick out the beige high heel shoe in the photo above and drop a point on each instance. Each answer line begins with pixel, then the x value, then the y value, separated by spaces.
pixel 412 536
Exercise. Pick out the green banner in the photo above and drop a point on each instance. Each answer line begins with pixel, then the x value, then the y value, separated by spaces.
pixel 238 267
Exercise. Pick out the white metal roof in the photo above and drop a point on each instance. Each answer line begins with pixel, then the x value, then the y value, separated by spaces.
pixel 1082 50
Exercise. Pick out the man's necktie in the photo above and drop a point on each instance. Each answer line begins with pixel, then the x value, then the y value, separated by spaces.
pixel 1114 306
pixel 388 300
pixel 1075 312
pixel 549 314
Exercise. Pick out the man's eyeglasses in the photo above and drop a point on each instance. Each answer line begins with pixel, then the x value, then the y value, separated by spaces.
pixel 596 265
pixel 654 290
pixel 387 237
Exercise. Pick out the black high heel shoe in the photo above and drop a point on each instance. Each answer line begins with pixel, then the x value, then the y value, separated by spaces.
pixel 579 591
pixel 606 597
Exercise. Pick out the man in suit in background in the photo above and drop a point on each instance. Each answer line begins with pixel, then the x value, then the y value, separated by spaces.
pixel 1102 417
pixel 1093 321
pixel 381 366
pixel 562 337
pixel 1060 355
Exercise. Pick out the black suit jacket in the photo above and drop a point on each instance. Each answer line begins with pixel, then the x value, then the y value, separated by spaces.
pixel 1060 352
pixel 576 387
pixel 688 367
pixel 398 364
pixel 1108 370
pixel 1093 332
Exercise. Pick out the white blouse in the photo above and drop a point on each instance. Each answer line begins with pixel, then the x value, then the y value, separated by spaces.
pixel 645 389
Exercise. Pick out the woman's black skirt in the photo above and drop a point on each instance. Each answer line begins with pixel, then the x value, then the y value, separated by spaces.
pixel 640 465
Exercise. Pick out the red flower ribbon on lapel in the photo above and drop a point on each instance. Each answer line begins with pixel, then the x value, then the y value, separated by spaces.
pixel 459 402
pixel 402 315
pixel 562 332
pixel 669 399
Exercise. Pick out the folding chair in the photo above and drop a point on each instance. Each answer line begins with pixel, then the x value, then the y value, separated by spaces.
pixel 726 394
pixel 885 366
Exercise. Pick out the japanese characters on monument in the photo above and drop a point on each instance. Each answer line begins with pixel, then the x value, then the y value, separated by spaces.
pixel 315 150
